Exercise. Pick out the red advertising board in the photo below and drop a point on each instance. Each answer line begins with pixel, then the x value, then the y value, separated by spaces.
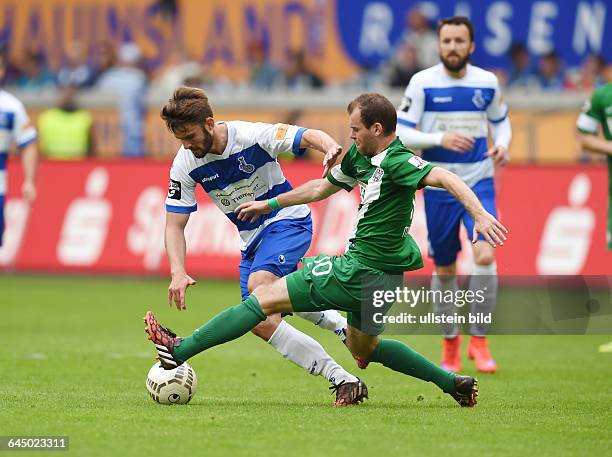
pixel 108 217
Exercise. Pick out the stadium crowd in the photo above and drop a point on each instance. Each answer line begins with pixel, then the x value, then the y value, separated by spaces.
pixel 122 69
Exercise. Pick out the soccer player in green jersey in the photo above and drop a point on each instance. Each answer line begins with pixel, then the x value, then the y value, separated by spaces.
pixel 596 116
pixel 388 175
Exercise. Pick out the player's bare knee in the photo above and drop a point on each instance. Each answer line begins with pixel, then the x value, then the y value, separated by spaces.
pixel 360 344
pixel 446 270
pixel 484 257
pixel 364 349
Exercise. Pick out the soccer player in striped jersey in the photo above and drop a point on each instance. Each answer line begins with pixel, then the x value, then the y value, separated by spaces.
pixel 446 112
pixel 379 251
pixel 15 127
pixel 235 162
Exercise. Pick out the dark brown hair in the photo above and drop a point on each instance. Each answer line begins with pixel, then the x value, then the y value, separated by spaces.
pixel 375 108
pixel 456 20
pixel 188 105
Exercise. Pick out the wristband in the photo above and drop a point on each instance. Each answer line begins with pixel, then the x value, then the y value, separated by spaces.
pixel 273 204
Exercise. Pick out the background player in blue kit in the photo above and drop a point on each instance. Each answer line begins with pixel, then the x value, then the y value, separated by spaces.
pixel 235 162
pixel 15 127
pixel 446 111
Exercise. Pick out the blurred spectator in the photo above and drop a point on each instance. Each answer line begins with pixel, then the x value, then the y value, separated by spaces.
pixel 590 75
pixel 75 71
pixel 264 74
pixel 522 73
pixel 11 71
pixel 34 74
pixel 296 74
pixel 403 67
pixel 104 57
pixel 550 75
pixel 421 37
pixel 180 70
pixel 168 9
pixel 65 132
pixel 129 82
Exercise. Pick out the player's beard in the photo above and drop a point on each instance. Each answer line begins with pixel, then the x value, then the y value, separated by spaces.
pixel 457 65
pixel 204 148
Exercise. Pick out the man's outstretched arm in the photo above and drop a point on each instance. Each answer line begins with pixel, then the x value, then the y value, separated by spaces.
pixel 594 143
pixel 174 237
pixel 311 191
pixel 321 141
pixel 493 231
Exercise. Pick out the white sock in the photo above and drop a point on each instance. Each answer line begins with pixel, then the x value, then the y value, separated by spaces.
pixel 307 353
pixel 442 308
pixel 329 320
pixel 483 281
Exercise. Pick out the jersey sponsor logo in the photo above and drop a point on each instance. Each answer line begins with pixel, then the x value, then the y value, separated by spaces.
pixel 281 132
pixel 417 162
pixel 225 202
pixel 174 190
pixel 448 99
pixel 210 178
pixel 405 105
pixel 478 99
pixel 244 166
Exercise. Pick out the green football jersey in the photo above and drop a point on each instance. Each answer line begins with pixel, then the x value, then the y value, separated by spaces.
pixel 387 184
pixel 595 113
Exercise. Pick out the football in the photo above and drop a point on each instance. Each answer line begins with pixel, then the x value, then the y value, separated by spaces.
pixel 172 387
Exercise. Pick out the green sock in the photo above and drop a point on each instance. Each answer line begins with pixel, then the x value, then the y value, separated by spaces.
pixel 399 357
pixel 225 326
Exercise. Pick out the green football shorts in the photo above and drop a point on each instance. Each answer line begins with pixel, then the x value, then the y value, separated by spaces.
pixel 340 283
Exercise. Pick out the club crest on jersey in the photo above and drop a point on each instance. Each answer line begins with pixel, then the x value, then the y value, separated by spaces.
pixel 244 166
pixel 478 99
pixel 174 190
pixel 377 176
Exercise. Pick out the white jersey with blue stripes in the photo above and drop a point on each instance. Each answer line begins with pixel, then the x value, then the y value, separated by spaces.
pixel 14 128
pixel 246 171
pixel 435 102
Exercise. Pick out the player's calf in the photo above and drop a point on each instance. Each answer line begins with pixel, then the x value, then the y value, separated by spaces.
pixel 266 329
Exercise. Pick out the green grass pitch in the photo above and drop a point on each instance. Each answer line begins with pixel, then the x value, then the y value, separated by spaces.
pixel 74 358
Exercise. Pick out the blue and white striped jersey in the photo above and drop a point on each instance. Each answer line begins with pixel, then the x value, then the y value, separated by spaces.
pixel 246 171
pixel 14 128
pixel 435 102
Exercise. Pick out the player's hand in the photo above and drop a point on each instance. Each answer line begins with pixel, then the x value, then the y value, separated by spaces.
pixel 499 154
pixel 330 158
pixel 177 289
pixel 252 210
pixel 489 227
pixel 28 190
pixel 457 142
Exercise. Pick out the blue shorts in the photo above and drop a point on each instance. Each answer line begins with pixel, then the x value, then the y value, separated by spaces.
pixel 279 249
pixel 1 217
pixel 444 214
